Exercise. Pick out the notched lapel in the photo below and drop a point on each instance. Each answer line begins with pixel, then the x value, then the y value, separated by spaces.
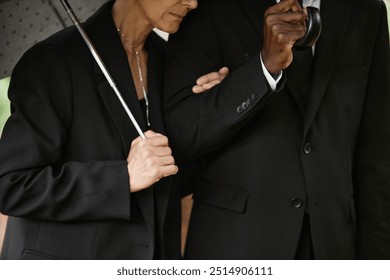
pixel 122 77
pixel 127 133
pixel 156 57
pixel 292 83
pixel 335 18
pixel 103 35
pixel 117 114
pixel 255 10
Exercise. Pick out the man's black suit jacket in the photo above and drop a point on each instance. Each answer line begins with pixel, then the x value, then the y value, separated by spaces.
pixel 267 157
pixel 63 168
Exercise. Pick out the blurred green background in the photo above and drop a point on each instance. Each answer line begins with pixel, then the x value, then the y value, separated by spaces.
pixel 4 103
pixel 5 106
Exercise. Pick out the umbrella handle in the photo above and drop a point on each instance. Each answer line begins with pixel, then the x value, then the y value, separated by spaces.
pixel 99 61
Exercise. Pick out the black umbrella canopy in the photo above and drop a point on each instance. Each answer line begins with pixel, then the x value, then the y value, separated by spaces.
pixel 23 23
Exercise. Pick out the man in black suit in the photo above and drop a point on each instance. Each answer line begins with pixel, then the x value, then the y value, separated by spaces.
pixel 293 151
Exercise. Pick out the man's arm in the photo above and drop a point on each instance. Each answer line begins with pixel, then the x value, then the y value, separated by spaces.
pixel 372 172
pixel 198 124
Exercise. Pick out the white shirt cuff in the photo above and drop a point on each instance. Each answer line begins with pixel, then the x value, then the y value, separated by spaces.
pixel 272 81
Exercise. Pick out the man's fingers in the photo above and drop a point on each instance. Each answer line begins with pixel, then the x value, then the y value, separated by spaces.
pixel 284 6
pixel 295 6
pixel 286 34
pixel 289 38
pixel 293 18
pixel 285 28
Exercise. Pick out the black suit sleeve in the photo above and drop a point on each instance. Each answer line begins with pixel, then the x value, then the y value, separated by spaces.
pixel 372 173
pixel 199 124
pixel 35 180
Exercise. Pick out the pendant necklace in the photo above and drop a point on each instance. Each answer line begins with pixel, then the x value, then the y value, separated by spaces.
pixel 139 75
pixel 143 87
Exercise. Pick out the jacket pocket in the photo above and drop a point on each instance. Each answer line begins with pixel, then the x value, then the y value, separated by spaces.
pixel 35 255
pixel 220 195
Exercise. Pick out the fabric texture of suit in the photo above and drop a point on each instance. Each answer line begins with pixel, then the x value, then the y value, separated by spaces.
pixel 268 157
pixel 63 168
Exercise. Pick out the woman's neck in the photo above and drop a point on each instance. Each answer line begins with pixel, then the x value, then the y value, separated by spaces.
pixel 131 23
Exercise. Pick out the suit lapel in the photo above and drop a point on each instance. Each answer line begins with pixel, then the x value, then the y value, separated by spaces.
pixel 156 56
pixel 335 18
pixel 103 34
pixel 255 9
pixel 292 82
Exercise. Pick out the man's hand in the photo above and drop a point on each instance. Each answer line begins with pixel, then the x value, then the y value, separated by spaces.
pixel 149 160
pixel 209 80
pixel 284 24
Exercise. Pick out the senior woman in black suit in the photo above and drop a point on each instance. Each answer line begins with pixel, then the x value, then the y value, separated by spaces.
pixel 75 178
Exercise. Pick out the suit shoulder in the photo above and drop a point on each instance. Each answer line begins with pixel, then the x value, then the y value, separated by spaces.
pixel 371 5
pixel 379 3
pixel 372 11
pixel 62 40
pixel 62 47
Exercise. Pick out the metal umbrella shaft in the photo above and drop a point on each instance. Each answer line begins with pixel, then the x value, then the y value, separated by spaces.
pixel 99 61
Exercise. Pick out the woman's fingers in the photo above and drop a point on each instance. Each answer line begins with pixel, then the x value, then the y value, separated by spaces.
pixel 209 80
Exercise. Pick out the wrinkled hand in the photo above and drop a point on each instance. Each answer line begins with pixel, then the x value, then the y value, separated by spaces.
pixel 284 24
pixel 209 80
pixel 149 160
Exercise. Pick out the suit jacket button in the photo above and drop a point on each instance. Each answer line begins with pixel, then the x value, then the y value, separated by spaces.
pixel 296 203
pixel 244 105
pixel 254 96
pixel 307 148
pixel 240 109
pixel 249 101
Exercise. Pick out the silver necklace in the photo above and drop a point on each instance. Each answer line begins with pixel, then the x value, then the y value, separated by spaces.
pixel 140 76
pixel 143 87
